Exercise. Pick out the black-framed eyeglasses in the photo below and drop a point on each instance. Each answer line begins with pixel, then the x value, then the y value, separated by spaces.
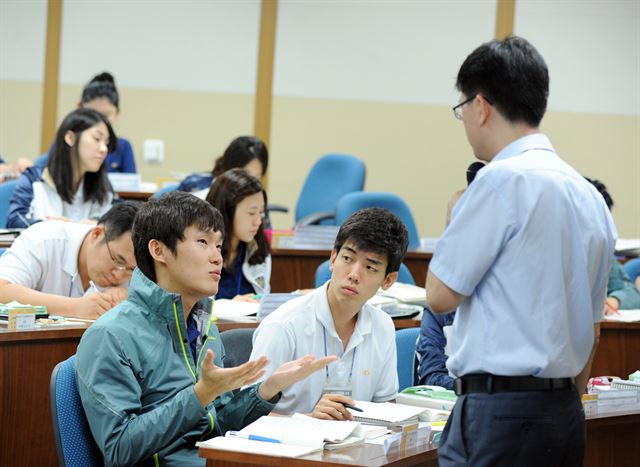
pixel 457 110
pixel 120 265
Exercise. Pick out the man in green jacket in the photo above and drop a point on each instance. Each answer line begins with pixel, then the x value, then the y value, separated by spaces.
pixel 150 372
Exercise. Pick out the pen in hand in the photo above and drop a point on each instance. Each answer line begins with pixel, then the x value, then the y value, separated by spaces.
pixel 352 407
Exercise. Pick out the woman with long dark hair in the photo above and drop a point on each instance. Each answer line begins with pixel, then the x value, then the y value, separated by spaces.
pixel 74 184
pixel 247 262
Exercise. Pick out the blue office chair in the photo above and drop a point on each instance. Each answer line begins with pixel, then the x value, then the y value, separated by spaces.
pixel 406 340
pixel 330 178
pixel 41 161
pixel 6 192
pixel 353 202
pixel 74 443
pixel 164 190
pixel 323 274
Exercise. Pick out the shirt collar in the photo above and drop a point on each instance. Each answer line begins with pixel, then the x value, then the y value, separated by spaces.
pixel 526 143
pixel 70 264
pixel 323 314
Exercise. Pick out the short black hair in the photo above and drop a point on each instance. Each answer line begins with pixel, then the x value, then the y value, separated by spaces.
pixel 512 75
pixel 165 219
pixel 101 86
pixel 119 219
pixel 377 230
pixel 239 153
pixel 63 157
pixel 602 189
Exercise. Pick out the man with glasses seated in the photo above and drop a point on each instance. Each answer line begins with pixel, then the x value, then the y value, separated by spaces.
pixel 75 270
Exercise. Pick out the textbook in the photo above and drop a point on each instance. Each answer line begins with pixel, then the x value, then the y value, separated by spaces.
pixel 288 436
pixel 434 397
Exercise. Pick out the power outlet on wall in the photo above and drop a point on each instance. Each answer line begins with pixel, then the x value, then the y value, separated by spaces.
pixel 153 151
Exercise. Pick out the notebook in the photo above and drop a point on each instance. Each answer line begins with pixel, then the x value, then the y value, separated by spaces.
pixel 385 413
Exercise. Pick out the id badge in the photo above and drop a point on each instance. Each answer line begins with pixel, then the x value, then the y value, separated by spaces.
pixel 330 387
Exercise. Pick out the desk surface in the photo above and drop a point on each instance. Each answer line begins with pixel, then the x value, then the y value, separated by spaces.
pixel 365 455
pixel 610 442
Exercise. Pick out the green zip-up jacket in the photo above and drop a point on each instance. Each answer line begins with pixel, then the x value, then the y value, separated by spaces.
pixel 136 376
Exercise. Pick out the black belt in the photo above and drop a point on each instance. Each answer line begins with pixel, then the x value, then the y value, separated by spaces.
pixel 485 383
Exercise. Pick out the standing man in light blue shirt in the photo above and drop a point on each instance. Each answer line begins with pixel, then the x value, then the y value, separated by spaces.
pixel 525 261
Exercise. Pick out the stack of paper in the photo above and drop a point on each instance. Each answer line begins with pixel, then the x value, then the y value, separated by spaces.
pixel 626 316
pixel 406 293
pixel 233 309
pixel 628 246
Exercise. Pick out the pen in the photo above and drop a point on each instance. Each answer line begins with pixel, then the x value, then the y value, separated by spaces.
pixel 352 407
pixel 237 434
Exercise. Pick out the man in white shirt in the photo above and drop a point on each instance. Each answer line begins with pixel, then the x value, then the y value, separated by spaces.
pixel 75 270
pixel 335 319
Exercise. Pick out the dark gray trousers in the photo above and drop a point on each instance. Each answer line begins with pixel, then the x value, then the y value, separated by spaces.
pixel 515 429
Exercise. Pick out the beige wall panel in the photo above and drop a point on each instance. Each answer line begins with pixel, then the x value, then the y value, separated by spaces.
pixel 606 147
pixel 416 151
pixel 420 152
pixel 196 126
pixel 20 116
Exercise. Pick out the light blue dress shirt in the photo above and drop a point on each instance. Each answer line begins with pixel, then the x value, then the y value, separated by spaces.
pixel 529 246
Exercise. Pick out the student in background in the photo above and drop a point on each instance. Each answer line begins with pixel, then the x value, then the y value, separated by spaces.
pixel 11 171
pixel 149 395
pixel 241 200
pixel 335 319
pixel 245 152
pixel 101 94
pixel 622 293
pixel 73 269
pixel 74 184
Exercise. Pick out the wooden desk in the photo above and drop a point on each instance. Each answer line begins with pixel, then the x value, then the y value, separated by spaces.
pixel 612 441
pixel 135 195
pixel 365 455
pixel 27 359
pixel 296 269
pixel 618 353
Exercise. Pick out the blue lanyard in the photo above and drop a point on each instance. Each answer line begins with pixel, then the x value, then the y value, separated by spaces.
pixel 326 368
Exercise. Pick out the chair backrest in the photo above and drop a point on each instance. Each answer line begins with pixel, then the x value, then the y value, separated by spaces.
pixel 6 192
pixel 238 344
pixel 164 190
pixel 74 443
pixel 353 202
pixel 406 340
pixel 323 274
pixel 42 160
pixel 330 178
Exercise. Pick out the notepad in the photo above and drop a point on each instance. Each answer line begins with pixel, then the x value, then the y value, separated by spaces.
pixel 385 413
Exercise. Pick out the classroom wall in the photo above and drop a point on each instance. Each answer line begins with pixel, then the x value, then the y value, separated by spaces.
pixel 375 79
